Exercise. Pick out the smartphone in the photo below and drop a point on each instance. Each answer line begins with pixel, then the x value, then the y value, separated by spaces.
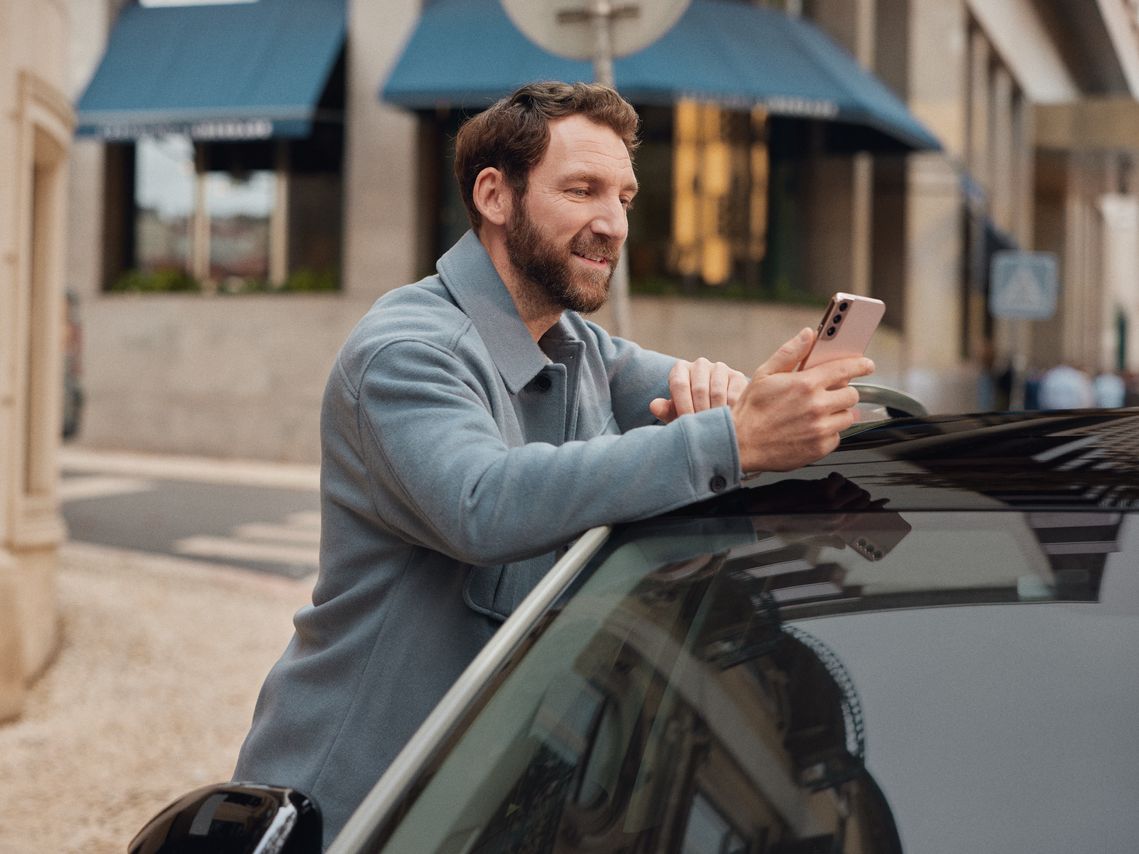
pixel 846 328
pixel 874 535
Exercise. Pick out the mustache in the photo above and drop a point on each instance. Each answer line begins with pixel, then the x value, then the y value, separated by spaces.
pixel 596 247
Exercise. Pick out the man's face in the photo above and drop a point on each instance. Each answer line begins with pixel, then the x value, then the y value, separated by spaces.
pixel 566 233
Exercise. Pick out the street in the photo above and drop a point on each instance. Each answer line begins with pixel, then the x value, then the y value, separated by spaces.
pixel 260 517
pixel 176 589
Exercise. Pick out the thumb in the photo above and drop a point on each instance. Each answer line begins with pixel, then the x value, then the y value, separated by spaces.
pixel 789 354
pixel 662 409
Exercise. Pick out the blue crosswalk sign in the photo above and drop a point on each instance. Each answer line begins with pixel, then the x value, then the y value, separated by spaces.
pixel 1024 285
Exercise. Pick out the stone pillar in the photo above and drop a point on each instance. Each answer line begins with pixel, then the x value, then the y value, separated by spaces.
pixel 1121 294
pixel 842 231
pixel 36 124
pixel 1082 273
pixel 380 184
pixel 11 648
pixel 937 65
pixel 11 641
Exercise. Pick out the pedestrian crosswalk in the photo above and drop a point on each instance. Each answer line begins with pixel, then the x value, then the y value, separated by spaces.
pixel 294 544
pixel 98 486
pixel 258 516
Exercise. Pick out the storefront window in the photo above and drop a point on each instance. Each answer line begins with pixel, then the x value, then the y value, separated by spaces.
pixel 227 217
pixel 722 209
pixel 720 182
pixel 164 205
pixel 239 208
pixel 717 215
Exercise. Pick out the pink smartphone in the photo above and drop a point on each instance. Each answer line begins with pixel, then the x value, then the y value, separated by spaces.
pixel 845 329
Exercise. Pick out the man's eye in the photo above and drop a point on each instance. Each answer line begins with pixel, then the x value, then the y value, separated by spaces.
pixel 627 204
pixel 580 192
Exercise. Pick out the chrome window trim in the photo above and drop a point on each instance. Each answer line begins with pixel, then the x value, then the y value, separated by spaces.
pixel 393 784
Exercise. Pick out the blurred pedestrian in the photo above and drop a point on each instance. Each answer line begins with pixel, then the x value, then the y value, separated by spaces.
pixel 1130 388
pixel 1110 390
pixel 1065 387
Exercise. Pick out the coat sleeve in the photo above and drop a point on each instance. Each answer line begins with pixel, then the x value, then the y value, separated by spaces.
pixel 441 476
pixel 636 376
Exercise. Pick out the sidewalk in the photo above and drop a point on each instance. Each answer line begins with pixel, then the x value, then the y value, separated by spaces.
pixel 76 458
pixel 150 695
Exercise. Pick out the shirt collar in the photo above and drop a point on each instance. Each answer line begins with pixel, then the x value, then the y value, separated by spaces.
pixel 470 277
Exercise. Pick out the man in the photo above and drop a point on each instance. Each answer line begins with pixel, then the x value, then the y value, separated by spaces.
pixel 474 424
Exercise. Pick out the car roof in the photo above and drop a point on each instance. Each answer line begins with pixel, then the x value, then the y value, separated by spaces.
pixel 1085 460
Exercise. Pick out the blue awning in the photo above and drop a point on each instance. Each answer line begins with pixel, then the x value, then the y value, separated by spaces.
pixel 467 54
pixel 249 70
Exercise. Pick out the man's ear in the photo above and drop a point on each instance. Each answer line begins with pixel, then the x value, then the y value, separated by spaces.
pixel 492 196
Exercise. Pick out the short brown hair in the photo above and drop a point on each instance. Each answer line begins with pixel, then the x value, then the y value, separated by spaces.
pixel 513 134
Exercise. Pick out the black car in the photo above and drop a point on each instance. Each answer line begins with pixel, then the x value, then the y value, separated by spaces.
pixel 926 642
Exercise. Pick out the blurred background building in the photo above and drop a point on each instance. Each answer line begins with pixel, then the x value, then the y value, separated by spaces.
pixel 250 175
pixel 36 123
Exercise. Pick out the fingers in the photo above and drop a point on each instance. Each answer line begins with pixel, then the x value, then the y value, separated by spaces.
pixel 717 389
pixel 840 371
pixel 737 382
pixel 788 419
pixel 703 384
pixel 663 410
pixel 840 492
pixel 837 399
pixel 690 386
pixel 789 354
pixel 835 423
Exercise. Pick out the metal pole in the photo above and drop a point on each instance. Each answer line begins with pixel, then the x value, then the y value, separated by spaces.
pixel 600 14
pixel 1019 373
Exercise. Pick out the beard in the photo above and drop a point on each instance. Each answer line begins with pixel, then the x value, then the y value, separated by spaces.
pixel 550 268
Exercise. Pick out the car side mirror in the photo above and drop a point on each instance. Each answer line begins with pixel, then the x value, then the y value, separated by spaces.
pixel 234 818
pixel 897 404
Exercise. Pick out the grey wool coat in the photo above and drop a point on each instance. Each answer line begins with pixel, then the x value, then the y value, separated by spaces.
pixel 458 457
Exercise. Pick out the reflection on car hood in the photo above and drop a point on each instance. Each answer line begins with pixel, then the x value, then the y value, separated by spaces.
pixel 1079 460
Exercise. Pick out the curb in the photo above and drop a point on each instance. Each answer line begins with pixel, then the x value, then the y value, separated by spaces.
pixel 198 469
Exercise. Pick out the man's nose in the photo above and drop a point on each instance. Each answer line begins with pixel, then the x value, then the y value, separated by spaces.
pixel 611 219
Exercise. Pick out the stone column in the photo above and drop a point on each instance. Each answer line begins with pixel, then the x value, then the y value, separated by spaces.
pixel 36 124
pixel 936 71
pixel 1121 293
pixel 846 261
pixel 11 647
pixel 380 158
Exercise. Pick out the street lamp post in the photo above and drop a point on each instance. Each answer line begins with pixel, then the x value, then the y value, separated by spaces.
pixel 601 15
pixel 613 30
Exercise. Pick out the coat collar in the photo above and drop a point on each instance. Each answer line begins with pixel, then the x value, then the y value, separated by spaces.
pixel 473 282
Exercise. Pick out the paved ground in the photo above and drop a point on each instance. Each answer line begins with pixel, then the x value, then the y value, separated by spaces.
pixel 149 696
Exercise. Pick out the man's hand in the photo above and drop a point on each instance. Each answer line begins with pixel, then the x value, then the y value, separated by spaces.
pixel 787 418
pixel 696 386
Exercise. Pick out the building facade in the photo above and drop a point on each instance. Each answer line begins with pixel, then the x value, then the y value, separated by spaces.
pixel 221 261
pixel 36 125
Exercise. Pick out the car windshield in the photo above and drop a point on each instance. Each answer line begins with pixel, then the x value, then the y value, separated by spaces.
pixel 784 683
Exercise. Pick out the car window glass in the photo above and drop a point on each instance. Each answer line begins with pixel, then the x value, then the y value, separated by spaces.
pixel 671 705
pixel 707 830
pixel 1024 710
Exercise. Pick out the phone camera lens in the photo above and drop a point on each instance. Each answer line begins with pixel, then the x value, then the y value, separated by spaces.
pixel 837 319
pixel 831 331
pixel 843 306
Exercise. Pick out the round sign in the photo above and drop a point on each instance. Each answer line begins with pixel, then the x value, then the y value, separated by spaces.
pixel 565 27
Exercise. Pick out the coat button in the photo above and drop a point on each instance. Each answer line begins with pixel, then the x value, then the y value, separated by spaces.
pixel 542 383
pixel 718 483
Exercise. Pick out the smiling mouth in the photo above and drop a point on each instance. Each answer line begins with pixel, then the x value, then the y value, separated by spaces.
pixel 599 260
